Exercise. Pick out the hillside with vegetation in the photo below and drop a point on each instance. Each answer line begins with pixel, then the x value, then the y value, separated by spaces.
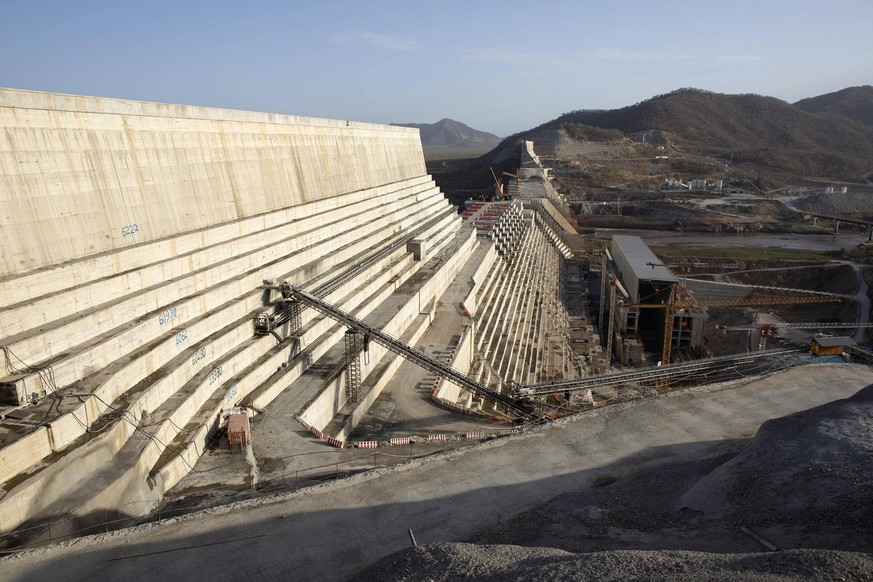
pixel 762 131
pixel 854 103
pixel 749 141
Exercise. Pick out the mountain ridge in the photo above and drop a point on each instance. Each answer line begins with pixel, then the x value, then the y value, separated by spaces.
pixel 762 131
pixel 450 133
pixel 855 103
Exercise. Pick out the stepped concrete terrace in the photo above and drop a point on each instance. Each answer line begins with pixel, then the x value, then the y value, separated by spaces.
pixel 137 241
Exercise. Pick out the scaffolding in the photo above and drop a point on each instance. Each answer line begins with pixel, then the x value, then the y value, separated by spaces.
pixel 353 366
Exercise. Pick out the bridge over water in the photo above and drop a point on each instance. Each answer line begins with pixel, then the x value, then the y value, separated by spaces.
pixel 837 220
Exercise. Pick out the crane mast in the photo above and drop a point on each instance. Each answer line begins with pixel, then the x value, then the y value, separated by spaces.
pixel 675 302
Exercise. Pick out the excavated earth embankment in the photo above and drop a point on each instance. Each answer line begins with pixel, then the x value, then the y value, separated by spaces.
pixel 804 484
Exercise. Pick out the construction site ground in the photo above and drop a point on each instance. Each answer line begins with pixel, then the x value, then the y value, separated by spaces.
pixel 287 456
pixel 329 532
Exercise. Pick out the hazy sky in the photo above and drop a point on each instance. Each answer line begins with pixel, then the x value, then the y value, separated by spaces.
pixel 497 66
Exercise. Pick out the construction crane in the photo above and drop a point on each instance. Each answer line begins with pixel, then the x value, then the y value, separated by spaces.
pixel 497 182
pixel 679 300
pixel 512 176
pixel 832 325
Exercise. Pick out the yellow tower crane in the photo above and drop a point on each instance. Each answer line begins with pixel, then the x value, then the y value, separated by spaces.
pixel 679 300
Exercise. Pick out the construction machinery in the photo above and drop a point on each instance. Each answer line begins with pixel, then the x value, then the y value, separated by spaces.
pixel 679 299
pixel 641 375
pixel 497 183
pixel 514 176
pixel 787 325
pixel 518 405
pixel 767 330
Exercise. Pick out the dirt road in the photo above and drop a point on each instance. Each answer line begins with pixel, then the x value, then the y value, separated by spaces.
pixel 332 531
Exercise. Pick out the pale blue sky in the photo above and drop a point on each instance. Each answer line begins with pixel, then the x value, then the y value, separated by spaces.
pixel 497 66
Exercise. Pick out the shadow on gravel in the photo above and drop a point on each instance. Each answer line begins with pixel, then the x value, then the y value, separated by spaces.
pixel 689 496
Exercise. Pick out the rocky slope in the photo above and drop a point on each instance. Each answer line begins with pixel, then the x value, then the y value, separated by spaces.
pixel 804 483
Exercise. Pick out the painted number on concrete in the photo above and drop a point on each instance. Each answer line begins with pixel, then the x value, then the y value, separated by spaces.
pixel 181 337
pixel 129 230
pixel 167 315
pixel 215 375
pixel 198 356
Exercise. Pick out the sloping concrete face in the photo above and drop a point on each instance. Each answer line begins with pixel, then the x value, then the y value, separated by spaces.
pixel 85 175
pixel 135 239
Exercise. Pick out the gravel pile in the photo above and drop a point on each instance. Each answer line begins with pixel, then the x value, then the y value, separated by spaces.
pixel 807 477
pixel 444 562
pixel 836 203
pixel 804 483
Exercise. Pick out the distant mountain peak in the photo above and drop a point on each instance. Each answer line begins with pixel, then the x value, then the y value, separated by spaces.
pixel 450 133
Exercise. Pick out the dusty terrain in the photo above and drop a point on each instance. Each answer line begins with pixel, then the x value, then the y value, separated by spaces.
pixel 619 183
pixel 804 481
pixel 332 531
pixel 445 562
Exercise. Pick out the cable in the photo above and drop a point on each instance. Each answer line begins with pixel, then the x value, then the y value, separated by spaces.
pixel 46 373
pixel 137 427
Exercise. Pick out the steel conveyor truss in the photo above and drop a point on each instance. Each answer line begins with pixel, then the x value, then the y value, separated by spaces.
pixel 523 399
pixel 644 374
pixel 292 293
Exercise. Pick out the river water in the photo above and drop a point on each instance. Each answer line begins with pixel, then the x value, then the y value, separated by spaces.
pixel 814 242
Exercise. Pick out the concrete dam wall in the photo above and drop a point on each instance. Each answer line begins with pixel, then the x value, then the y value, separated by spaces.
pixel 137 241
pixel 136 237
pixel 83 175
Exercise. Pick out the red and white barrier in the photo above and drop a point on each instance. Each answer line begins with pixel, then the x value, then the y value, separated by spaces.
pixel 475 435
pixel 401 440
pixel 335 442
pixel 316 432
pixel 436 438
pixel 367 445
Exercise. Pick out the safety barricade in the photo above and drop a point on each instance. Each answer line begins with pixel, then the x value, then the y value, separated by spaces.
pixel 367 445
